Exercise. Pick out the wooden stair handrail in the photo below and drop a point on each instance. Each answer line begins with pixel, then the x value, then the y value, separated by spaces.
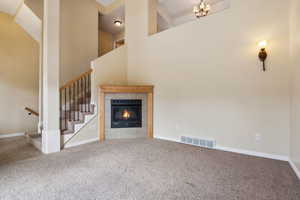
pixel 69 83
pixel 74 97
pixel 32 112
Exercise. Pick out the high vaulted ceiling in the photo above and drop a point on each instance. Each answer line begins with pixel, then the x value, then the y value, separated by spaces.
pixel 107 21
pixel 9 6
pixel 177 8
pixel 176 12
pixel 170 13
pixel 105 2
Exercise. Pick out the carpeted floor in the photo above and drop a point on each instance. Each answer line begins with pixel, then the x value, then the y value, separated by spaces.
pixel 16 149
pixel 142 169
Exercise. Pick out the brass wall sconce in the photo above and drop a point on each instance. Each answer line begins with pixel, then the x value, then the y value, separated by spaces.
pixel 263 53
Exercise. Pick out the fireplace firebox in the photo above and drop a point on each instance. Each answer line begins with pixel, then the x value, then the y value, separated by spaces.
pixel 126 113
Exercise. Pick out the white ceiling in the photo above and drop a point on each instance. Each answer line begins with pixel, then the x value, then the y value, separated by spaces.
pixel 25 17
pixel 170 13
pixel 105 2
pixel 107 21
pixel 177 8
pixel 30 22
pixel 177 12
pixel 9 6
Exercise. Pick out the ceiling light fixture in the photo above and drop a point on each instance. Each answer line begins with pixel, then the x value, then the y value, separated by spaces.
pixel 118 23
pixel 202 9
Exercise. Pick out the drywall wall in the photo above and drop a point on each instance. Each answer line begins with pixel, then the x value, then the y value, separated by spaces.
pixel 19 55
pixel 37 6
pixel 31 23
pixel 119 36
pixel 79 37
pixel 295 63
pixel 207 77
pixel 9 6
pixel 108 69
pixel 87 134
pixel 106 42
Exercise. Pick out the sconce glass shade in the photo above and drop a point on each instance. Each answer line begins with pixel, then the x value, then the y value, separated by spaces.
pixel 118 23
pixel 262 44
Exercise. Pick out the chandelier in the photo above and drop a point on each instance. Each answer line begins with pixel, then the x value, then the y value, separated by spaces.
pixel 202 9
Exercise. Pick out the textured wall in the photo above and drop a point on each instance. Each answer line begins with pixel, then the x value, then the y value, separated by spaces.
pixel 108 69
pixel 208 80
pixel 79 37
pixel 295 62
pixel 19 56
pixel 36 6
pixel 106 42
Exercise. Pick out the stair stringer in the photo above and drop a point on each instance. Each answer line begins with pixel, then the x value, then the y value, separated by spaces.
pixel 108 69
pixel 67 139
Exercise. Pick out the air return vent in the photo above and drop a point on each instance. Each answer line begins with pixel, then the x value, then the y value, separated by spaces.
pixel 198 142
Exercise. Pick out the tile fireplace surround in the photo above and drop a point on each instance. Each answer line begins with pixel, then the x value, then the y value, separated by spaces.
pixel 108 92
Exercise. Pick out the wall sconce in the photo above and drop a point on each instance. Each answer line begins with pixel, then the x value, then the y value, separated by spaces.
pixel 263 54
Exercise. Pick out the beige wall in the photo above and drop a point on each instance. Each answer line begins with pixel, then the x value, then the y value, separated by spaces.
pixel 119 36
pixel 19 57
pixel 207 77
pixel 108 69
pixel 79 37
pixel 106 41
pixel 295 62
pixel 87 133
pixel 36 6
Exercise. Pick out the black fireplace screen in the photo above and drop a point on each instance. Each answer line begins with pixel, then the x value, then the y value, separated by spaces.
pixel 126 113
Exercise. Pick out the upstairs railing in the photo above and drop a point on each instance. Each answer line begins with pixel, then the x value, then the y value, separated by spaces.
pixel 75 97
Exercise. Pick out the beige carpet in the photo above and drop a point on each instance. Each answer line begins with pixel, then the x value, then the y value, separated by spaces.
pixel 16 149
pixel 142 169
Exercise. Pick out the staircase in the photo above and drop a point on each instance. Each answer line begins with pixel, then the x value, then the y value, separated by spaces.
pixel 76 109
pixel 75 104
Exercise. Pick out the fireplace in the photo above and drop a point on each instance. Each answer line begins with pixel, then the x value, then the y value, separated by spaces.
pixel 126 113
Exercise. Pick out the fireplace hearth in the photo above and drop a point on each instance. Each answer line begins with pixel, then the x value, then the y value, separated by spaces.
pixel 126 113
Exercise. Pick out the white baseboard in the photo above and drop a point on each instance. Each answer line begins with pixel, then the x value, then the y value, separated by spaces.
pixel 67 145
pixel 294 167
pixel 246 152
pixel 253 153
pixel 168 139
pixel 239 151
pixel 11 135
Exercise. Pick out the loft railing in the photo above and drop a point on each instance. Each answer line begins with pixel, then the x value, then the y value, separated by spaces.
pixel 75 97
pixel 31 112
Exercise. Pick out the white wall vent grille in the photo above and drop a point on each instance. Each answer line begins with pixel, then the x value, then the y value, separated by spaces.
pixel 211 144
